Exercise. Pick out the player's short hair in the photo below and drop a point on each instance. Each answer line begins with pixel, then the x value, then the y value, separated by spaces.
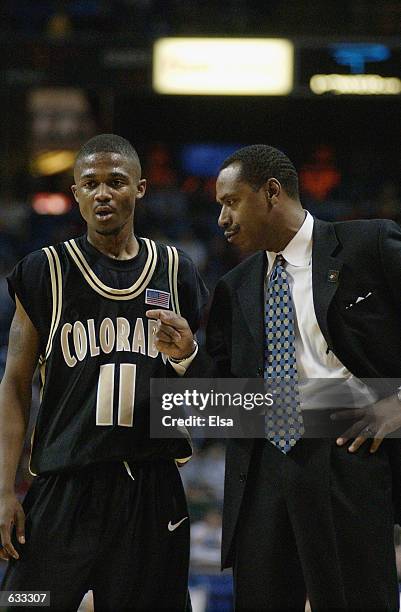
pixel 109 143
pixel 260 162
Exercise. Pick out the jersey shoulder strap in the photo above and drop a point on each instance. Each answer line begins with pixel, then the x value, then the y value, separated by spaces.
pixel 172 268
pixel 56 282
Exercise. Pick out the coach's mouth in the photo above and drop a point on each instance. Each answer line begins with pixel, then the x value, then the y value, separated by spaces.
pixel 229 234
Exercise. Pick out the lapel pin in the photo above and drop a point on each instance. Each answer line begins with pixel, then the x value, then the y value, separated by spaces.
pixel 333 276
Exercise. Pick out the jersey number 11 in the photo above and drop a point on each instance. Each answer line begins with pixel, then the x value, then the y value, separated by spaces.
pixel 126 395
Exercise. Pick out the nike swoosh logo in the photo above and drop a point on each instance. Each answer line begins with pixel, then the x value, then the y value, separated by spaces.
pixel 172 527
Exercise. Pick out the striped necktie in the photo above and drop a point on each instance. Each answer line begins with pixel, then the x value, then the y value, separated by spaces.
pixel 284 424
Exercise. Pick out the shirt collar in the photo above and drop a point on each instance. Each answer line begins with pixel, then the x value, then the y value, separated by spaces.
pixel 298 251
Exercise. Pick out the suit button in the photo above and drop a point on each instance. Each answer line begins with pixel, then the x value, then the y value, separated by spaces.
pixel 242 478
pixel 260 372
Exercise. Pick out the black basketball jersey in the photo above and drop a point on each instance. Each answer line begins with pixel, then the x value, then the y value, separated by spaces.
pixel 97 351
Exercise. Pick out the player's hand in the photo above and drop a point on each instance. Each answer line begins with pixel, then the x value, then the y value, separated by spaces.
pixel 173 336
pixel 374 422
pixel 11 513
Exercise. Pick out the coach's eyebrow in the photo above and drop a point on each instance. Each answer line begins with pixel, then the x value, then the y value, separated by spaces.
pixel 226 196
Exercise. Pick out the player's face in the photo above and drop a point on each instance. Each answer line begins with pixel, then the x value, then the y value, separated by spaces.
pixel 245 215
pixel 106 188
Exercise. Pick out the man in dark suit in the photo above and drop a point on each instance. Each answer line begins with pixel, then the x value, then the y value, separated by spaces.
pixel 305 516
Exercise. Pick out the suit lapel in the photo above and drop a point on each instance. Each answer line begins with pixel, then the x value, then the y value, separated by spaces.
pixel 251 299
pixel 326 271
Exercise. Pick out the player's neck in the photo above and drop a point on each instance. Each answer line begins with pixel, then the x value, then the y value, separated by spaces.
pixel 122 245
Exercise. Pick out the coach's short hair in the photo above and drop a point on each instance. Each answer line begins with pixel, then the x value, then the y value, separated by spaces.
pixel 109 143
pixel 260 162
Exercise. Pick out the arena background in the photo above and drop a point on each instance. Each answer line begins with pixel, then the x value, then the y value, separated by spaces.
pixel 76 68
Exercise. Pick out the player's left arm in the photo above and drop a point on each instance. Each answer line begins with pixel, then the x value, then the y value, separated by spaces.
pixel 15 403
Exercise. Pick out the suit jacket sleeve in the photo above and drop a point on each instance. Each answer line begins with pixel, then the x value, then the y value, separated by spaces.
pixel 214 360
pixel 390 254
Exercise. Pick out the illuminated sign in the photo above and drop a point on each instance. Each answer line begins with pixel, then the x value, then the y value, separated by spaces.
pixel 356 55
pixel 361 84
pixel 350 69
pixel 223 66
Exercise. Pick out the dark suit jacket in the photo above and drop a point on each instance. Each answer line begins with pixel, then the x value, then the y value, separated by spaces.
pixel 349 259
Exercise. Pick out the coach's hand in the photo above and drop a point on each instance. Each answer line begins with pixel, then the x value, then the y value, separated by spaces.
pixel 173 336
pixel 374 422
pixel 11 513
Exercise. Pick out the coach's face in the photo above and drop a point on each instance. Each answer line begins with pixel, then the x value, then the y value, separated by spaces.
pixel 247 216
pixel 106 188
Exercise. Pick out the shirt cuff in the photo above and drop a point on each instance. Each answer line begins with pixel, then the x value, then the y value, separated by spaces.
pixel 183 366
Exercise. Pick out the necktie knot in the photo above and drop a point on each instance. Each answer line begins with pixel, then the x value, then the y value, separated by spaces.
pixel 278 268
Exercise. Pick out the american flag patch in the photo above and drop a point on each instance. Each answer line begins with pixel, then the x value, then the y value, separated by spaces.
pixel 154 297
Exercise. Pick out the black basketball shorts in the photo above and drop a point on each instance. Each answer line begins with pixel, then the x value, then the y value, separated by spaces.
pixel 121 530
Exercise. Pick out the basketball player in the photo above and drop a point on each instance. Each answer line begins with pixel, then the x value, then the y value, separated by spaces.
pixel 106 510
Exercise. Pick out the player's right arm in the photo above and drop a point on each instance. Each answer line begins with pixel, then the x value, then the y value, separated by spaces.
pixel 175 339
pixel 173 336
pixel 15 402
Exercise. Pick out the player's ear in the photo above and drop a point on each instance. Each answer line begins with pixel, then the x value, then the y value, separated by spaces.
pixel 74 192
pixel 140 189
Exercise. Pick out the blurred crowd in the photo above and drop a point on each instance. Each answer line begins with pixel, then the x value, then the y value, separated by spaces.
pixel 150 18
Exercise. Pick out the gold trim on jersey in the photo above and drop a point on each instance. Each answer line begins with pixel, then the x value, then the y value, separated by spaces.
pixel 129 472
pixel 57 295
pixel 57 303
pixel 181 462
pixel 109 292
pixel 30 454
pixel 173 260
pixel 42 374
